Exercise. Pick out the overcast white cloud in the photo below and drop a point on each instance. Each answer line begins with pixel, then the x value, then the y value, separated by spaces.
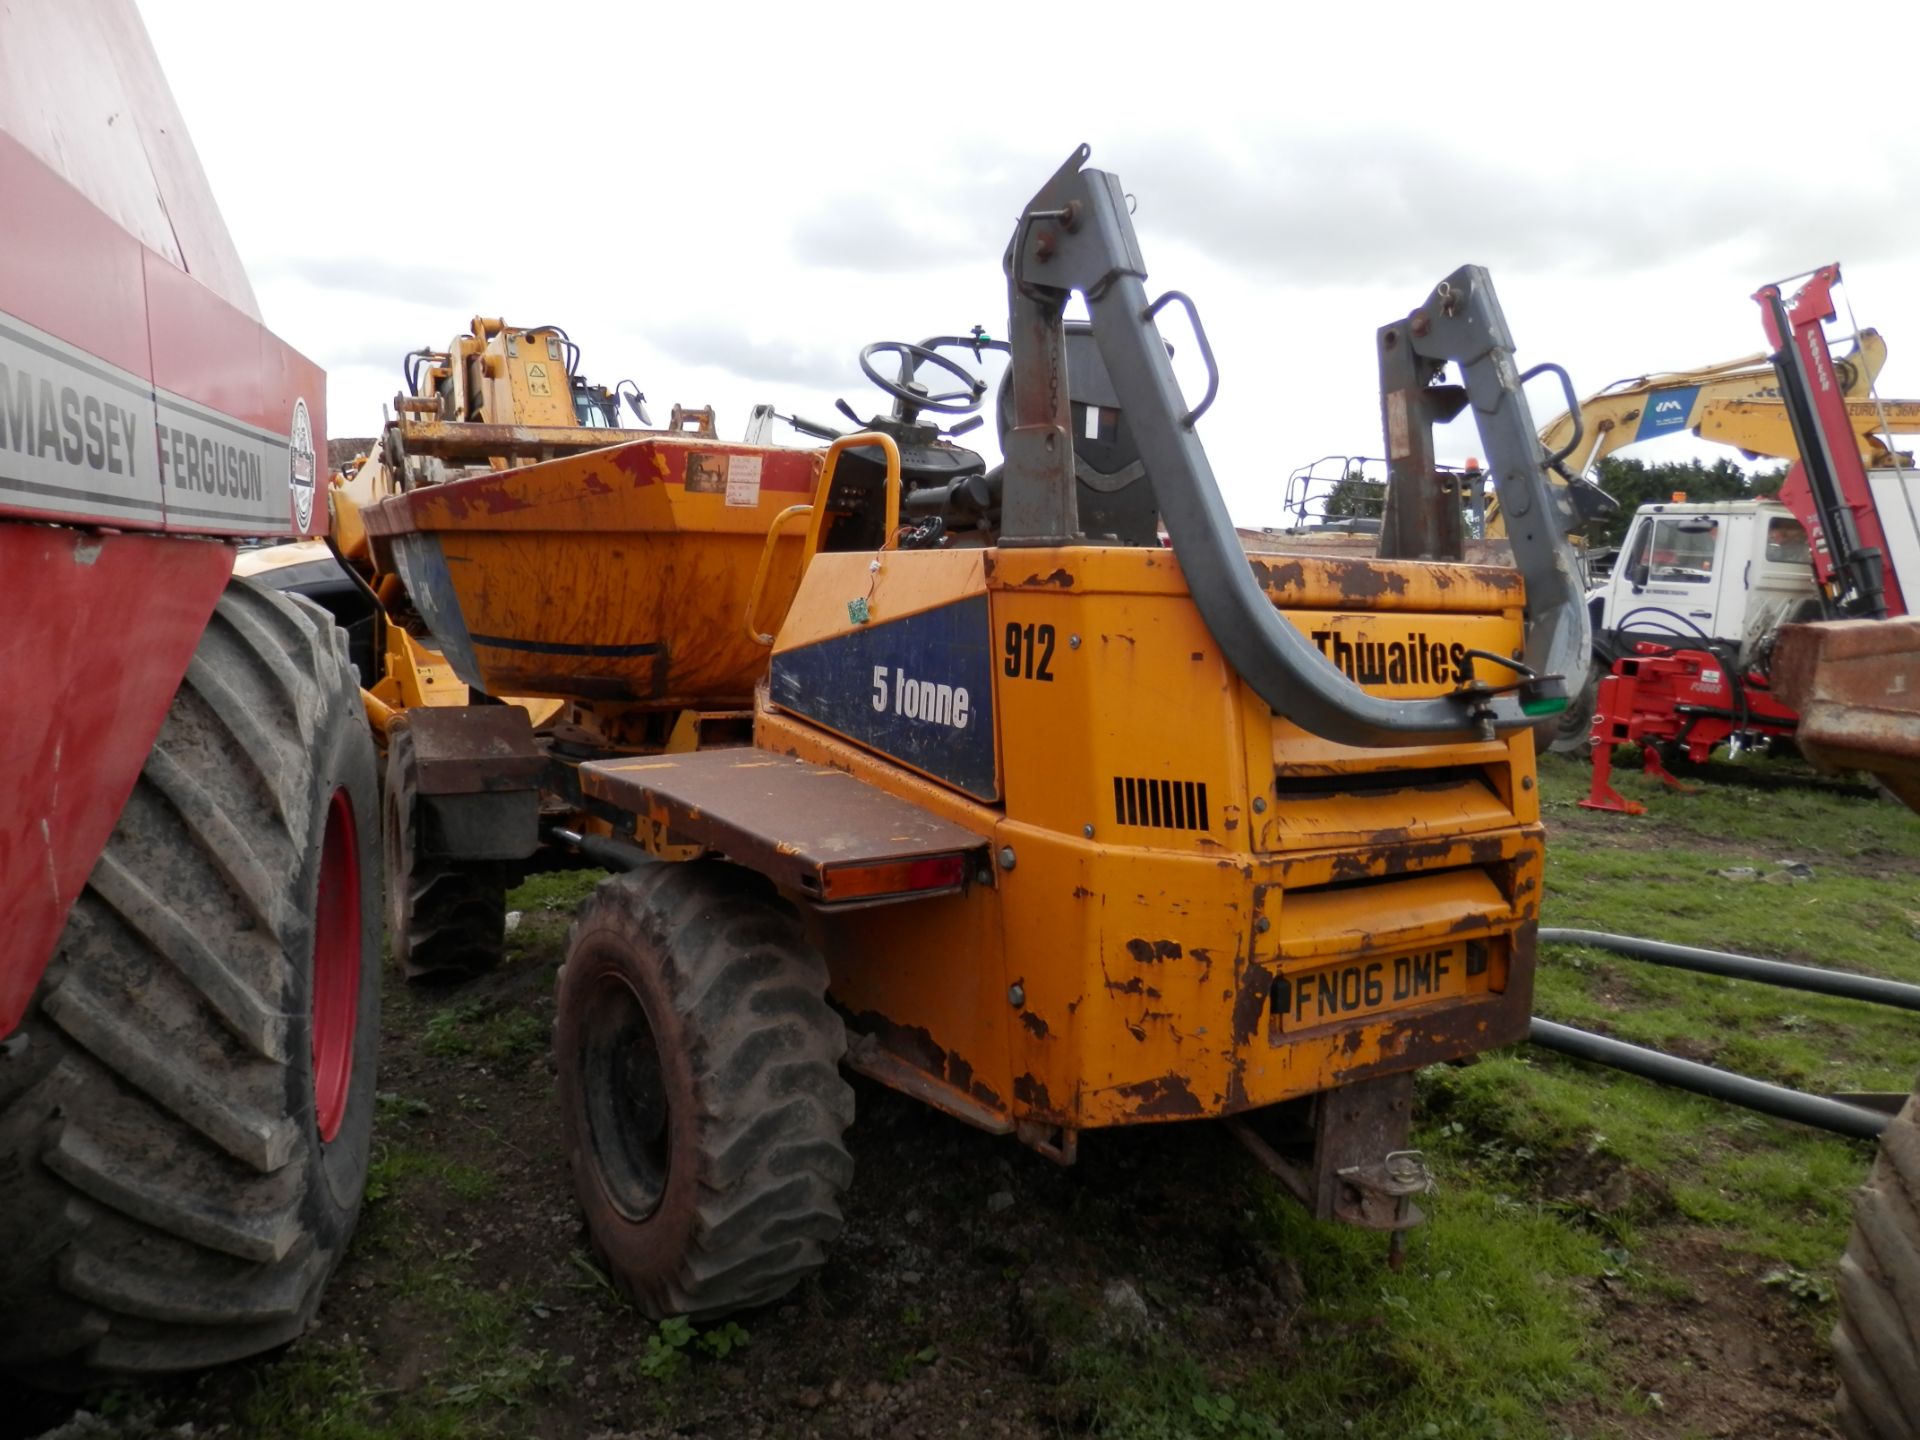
pixel 725 204
pixel 365 275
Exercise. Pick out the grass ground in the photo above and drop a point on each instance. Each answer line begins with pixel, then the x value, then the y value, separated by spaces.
pixel 1604 1258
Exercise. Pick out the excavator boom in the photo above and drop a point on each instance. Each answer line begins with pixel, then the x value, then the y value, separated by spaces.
pixel 1737 402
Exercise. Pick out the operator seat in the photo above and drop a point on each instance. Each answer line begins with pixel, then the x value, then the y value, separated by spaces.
pixel 1114 492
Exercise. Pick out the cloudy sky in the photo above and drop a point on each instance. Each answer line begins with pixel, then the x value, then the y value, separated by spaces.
pixel 725 203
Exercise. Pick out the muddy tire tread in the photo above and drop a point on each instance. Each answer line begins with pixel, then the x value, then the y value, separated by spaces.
pixel 772 1108
pixel 1876 1342
pixel 446 920
pixel 150 1206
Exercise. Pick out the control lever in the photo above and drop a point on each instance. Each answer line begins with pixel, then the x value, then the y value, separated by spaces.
pixel 811 427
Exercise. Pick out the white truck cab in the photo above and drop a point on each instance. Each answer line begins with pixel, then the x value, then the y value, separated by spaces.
pixel 1732 572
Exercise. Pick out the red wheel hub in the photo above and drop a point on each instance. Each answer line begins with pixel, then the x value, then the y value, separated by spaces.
pixel 336 966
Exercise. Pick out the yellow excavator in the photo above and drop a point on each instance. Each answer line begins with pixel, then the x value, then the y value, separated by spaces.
pixel 1736 403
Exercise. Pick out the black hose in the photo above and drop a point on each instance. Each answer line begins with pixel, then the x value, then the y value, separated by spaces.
pixel 410 368
pixel 372 596
pixel 573 350
pixel 1744 967
pixel 1814 1110
pixel 602 849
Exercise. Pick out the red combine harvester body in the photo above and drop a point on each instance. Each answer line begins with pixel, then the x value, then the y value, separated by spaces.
pixel 138 391
pixel 180 1129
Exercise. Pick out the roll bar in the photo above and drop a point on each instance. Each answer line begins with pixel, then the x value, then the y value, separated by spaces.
pixel 1075 235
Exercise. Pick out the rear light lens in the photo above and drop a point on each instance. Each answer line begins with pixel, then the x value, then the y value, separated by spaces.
pixel 894 877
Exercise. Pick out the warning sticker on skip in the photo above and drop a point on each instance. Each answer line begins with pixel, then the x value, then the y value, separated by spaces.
pixel 743 480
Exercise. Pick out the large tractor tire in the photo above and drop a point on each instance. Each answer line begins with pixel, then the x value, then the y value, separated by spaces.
pixel 446 920
pixel 186 1110
pixel 700 1091
pixel 1876 1345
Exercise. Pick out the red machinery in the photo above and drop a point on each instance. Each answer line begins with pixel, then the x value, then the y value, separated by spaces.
pixel 1683 702
pixel 188 796
pixel 1862 545
pixel 1865 536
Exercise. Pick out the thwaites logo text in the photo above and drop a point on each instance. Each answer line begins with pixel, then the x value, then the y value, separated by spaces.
pixel 1415 659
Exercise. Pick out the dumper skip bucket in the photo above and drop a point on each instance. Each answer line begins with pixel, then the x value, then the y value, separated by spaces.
pixel 620 574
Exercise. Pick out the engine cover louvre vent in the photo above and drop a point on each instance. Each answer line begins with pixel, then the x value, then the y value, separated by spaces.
pixel 1160 804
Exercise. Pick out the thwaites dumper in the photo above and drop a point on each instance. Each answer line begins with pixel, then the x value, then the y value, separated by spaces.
pixel 1055 830
pixel 189 801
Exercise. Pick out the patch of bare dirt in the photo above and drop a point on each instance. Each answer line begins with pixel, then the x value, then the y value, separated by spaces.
pixel 1731 1356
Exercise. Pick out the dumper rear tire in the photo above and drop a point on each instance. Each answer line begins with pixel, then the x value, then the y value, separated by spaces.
pixel 186 1109
pixel 701 1099
pixel 1876 1344
pixel 446 919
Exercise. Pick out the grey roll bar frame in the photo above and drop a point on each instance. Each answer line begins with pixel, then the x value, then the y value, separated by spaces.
pixel 1075 235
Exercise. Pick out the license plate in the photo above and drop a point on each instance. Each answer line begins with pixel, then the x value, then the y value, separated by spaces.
pixel 1355 989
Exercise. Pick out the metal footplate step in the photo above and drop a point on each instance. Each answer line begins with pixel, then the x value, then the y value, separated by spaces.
pixel 809 828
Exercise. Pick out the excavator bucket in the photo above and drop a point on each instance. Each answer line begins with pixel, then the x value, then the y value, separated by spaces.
pixel 1856 684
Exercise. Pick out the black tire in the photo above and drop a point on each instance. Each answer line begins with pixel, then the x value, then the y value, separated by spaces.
pixel 446 920
pixel 167 1201
pixel 1876 1344
pixel 700 1091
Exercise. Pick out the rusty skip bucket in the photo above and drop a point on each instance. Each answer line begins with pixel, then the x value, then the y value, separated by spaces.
pixel 1856 684
pixel 620 574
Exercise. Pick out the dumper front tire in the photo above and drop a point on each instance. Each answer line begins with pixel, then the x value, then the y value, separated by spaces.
pixel 446 919
pixel 186 1109
pixel 1876 1344
pixel 701 1098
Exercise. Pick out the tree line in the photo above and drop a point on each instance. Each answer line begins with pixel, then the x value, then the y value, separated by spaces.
pixel 1632 483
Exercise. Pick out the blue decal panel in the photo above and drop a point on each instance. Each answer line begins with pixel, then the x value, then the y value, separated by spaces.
pixel 1666 412
pixel 918 689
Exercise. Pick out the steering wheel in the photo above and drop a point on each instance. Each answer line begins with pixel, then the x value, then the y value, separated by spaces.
pixel 956 402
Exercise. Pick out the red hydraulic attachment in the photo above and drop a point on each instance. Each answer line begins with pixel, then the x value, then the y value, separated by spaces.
pixel 1687 699
pixel 1827 487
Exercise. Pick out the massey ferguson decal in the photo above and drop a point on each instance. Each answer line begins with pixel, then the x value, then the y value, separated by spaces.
pixel 216 469
pixel 301 467
pixel 80 437
pixel 76 436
